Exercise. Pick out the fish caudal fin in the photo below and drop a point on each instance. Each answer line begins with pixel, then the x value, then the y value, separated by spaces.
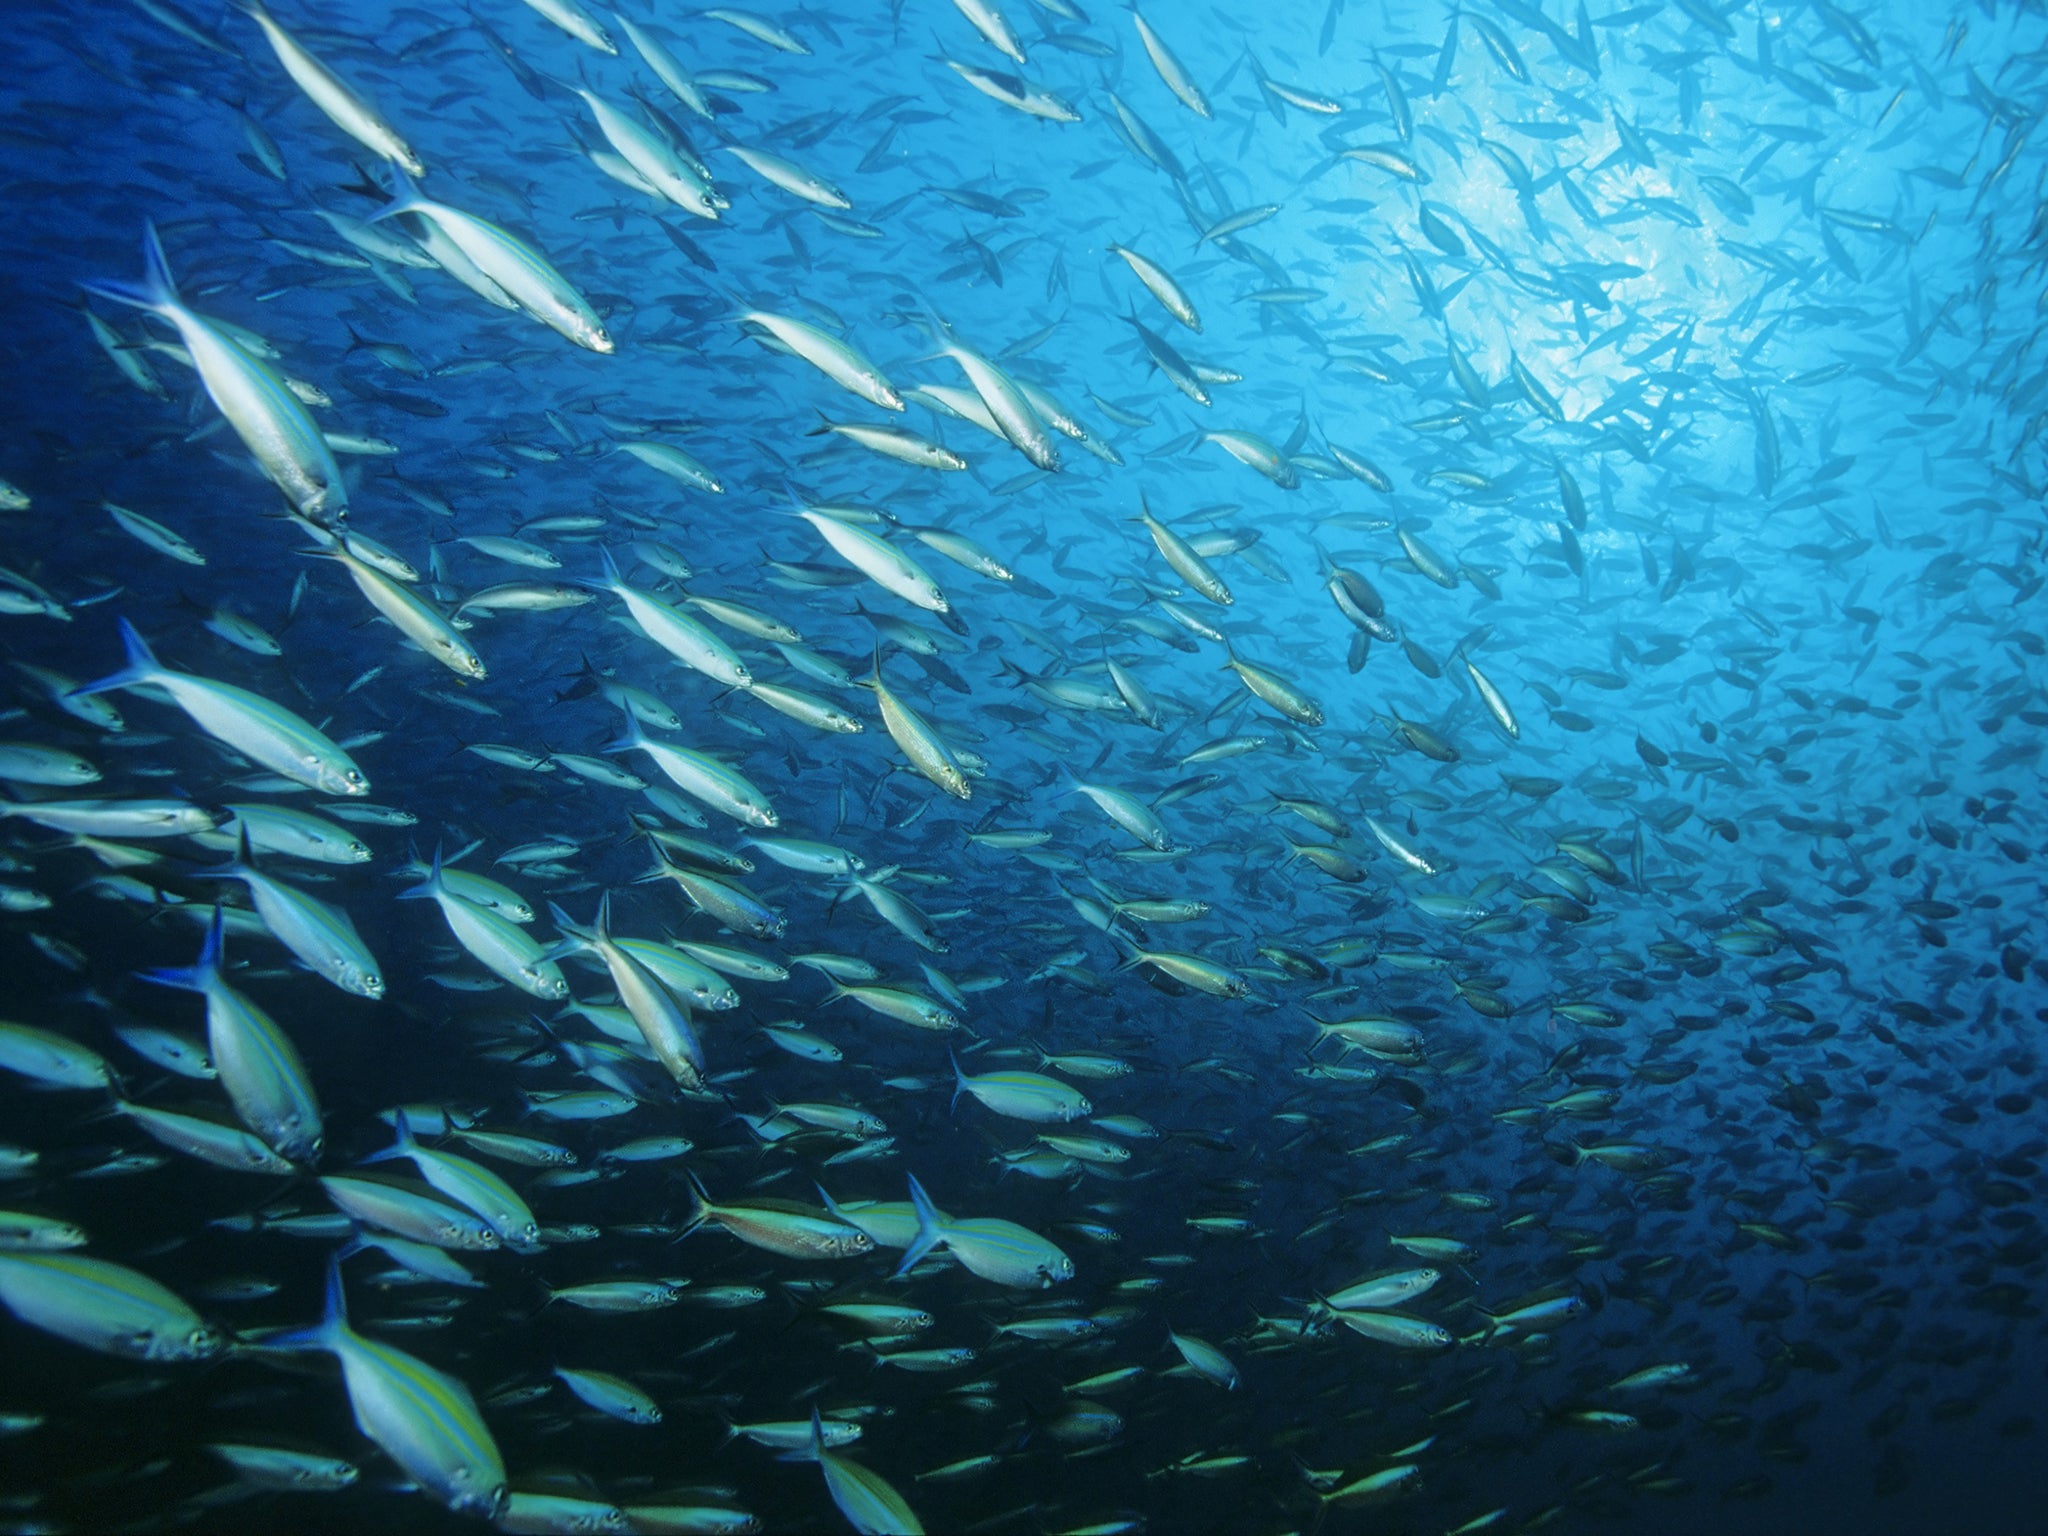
pixel 431 886
pixel 405 195
pixel 142 667
pixel 201 974
pixel 929 1232
pixel 157 291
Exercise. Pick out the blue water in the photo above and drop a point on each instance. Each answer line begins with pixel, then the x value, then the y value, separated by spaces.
pixel 1695 350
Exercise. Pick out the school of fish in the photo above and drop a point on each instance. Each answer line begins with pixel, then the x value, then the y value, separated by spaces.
pixel 1023 765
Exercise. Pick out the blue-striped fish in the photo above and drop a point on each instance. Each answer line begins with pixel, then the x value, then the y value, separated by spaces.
pixel 866 1499
pixel 261 731
pixel 663 1020
pixel 347 110
pixel 422 1418
pixel 265 414
pixel 519 271
pixel 988 1246
pixel 255 1059
pixel 319 933
pixel 468 1184
pixel 499 945
pixel 107 1307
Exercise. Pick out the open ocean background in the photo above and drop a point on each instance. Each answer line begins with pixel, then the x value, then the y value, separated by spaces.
pixel 1774 277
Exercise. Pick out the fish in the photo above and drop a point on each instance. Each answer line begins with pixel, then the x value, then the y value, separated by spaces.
pixel 424 1419
pixel 262 731
pixel 927 751
pixel 662 1019
pixel 495 941
pixel 104 1306
pixel 990 1247
pixel 253 1058
pixel 1171 70
pixel 412 615
pixel 346 109
pixel 263 413
pixel 285 1470
pixel 27 762
pixel 321 935
pixel 1162 286
pixel 867 1500
pixel 516 269
pixel 468 1184
pixel 1026 1096
pixel 888 567
pixel 781 1229
pixel 150 532
pixel 676 632
pixel 840 361
pixel 653 159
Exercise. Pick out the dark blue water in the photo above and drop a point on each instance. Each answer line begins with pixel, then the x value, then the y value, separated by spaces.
pixel 1670 374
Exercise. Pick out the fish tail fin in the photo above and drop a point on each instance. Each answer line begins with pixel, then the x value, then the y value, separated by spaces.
pixel 700 1205
pixel 405 194
pixel 334 1300
pixel 662 869
pixel 959 1079
pixel 158 289
pixel 633 736
pixel 929 1233
pixel 575 940
pixel 142 666
pixel 731 294
pixel 113 1109
pixel 584 681
pixel 118 291
pixel 239 867
pixel 566 923
pixel 358 1242
pixel 431 886
pixel 1322 1514
pixel 832 1207
pixel 333 1322
pixel 404 1146
pixel 934 323
pixel 547 1030
pixel 199 975
pixel 814 1450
